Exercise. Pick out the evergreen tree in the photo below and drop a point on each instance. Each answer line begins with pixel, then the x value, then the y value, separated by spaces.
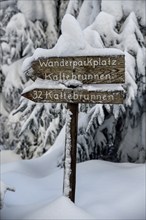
pixel 111 132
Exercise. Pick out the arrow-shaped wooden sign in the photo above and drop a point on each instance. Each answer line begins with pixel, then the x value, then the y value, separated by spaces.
pixel 75 96
pixel 86 69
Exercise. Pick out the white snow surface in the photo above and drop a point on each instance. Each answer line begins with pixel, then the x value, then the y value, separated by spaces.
pixel 72 42
pixel 8 156
pixel 62 208
pixel 37 9
pixel 121 8
pixel 104 190
pixel 12 76
pixel 87 14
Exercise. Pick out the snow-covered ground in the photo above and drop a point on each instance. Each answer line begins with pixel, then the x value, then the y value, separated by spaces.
pixel 7 156
pixel 104 190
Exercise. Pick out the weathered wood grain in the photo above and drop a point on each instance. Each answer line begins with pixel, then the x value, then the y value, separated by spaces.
pixel 87 69
pixel 75 96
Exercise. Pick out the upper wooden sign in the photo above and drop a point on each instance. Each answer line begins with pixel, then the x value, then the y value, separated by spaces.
pixel 86 69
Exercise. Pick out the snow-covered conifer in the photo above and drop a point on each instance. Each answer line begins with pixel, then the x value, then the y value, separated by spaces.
pixel 102 24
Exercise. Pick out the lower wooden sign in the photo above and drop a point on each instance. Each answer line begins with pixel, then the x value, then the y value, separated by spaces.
pixel 75 96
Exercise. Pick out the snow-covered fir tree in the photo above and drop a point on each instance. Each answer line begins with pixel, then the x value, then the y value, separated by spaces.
pixel 109 132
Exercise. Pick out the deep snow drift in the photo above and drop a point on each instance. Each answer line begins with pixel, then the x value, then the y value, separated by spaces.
pixel 61 208
pixel 104 190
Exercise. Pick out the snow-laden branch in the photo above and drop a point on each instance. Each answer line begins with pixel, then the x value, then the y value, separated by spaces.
pixel 31 118
pixel 3 189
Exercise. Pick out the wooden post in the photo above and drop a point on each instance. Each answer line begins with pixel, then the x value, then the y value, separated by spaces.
pixel 70 156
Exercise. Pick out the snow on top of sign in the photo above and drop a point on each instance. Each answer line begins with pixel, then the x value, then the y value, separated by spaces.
pixel 72 42
pixel 103 87
pixel 44 84
pixel 48 84
pixel 73 82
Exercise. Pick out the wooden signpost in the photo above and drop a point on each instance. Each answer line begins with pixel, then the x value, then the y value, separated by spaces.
pixel 87 70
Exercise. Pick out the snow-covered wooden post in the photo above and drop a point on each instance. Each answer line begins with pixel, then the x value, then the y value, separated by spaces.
pixel 70 74
pixel 69 184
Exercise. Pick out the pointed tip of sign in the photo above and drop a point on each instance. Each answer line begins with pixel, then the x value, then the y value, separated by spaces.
pixel 27 96
pixel 32 77
pixel 24 94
